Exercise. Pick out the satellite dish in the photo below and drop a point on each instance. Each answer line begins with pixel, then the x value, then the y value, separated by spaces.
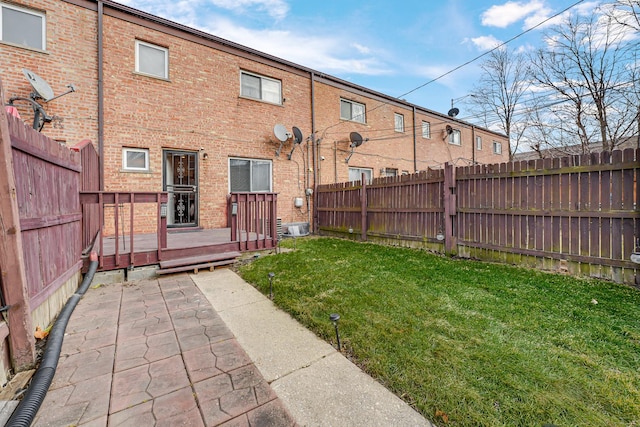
pixel 453 112
pixel 281 132
pixel 449 130
pixel 39 85
pixel 297 135
pixel 356 139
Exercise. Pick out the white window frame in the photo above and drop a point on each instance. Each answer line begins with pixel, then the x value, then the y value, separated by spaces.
pixel 455 137
pixel 359 118
pixel 152 46
pixel 39 14
pixel 497 147
pixel 262 96
pixel 126 167
pixel 398 122
pixel 360 171
pixel 478 143
pixel 384 172
pixel 426 129
pixel 270 190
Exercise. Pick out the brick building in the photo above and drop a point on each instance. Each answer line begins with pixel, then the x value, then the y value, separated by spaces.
pixel 174 109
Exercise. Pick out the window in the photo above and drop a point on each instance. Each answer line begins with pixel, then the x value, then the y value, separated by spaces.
pixel 426 130
pixel 354 111
pixel 399 122
pixel 135 159
pixel 497 147
pixel 479 142
pixel 355 174
pixel 23 27
pixel 259 87
pixel 248 175
pixel 454 137
pixel 152 60
pixel 389 172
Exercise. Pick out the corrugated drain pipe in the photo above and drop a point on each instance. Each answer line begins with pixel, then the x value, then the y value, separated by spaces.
pixel 33 398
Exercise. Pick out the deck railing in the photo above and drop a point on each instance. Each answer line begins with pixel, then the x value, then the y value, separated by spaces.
pixel 252 219
pixel 118 201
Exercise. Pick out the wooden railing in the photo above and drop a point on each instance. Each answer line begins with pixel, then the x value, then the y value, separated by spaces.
pixel 119 201
pixel 252 218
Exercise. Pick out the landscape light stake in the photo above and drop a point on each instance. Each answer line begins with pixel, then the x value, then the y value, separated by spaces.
pixel 334 318
pixel 271 276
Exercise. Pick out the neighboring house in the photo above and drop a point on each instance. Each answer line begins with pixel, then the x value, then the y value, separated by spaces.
pixel 572 150
pixel 171 108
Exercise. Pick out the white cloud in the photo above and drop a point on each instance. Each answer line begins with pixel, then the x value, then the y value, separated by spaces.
pixel 330 54
pixel 362 49
pixel 502 16
pixel 275 8
pixel 484 42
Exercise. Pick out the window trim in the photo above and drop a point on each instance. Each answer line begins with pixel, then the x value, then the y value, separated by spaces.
pixel 452 138
pixel 370 170
pixel 34 12
pixel 153 46
pixel 424 122
pixel 261 77
pixel 126 168
pixel 497 147
pixel 351 119
pixel 251 160
pixel 397 116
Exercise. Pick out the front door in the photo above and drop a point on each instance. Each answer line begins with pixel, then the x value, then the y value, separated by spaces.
pixel 180 180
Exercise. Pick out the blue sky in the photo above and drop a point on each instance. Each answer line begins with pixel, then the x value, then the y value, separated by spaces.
pixel 391 47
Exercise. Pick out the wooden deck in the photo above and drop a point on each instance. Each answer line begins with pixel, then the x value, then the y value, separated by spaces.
pixel 180 244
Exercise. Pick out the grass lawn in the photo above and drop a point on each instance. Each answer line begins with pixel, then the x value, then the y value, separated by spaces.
pixel 469 343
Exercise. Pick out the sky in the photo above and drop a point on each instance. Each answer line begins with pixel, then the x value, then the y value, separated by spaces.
pixel 409 49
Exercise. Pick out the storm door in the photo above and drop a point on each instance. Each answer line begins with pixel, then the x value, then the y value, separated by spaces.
pixel 180 180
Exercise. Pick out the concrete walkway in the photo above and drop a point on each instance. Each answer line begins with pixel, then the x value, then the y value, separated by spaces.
pixel 317 384
pixel 205 350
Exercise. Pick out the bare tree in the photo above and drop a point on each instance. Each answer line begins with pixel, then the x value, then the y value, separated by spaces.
pixel 502 85
pixel 586 63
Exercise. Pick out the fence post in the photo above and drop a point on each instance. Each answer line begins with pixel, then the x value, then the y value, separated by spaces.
pixel 14 279
pixel 450 211
pixel 363 208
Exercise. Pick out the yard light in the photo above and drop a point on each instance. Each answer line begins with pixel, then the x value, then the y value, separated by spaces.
pixel 334 317
pixel 271 276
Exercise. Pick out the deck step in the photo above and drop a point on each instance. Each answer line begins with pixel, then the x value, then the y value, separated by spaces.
pixel 194 267
pixel 200 259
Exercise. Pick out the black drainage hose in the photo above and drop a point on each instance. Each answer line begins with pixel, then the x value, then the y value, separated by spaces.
pixel 28 407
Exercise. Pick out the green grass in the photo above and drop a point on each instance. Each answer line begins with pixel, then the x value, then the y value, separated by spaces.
pixel 469 343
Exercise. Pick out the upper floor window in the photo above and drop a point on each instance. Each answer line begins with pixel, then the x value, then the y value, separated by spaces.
pixel 355 174
pixel 389 172
pixel 454 137
pixel 497 147
pixel 399 122
pixel 260 87
pixel 135 159
pixel 152 60
pixel 24 27
pixel 478 142
pixel 426 130
pixel 249 175
pixel 351 110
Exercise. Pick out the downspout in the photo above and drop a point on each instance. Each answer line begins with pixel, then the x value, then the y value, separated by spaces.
pixel 314 152
pixel 415 141
pixel 28 407
pixel 101 92
pixel 473 144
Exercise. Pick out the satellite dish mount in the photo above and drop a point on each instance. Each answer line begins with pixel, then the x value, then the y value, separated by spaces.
pixel 297 139
pixel 41 90
pixel 356 141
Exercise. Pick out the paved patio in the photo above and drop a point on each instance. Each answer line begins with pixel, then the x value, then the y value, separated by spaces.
pixel 155 353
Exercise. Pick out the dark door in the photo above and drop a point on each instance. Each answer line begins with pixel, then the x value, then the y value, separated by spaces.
pixel 181 182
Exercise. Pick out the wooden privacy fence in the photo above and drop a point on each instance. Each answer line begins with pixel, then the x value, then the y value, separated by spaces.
pixel 89 181
pixel 579 214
